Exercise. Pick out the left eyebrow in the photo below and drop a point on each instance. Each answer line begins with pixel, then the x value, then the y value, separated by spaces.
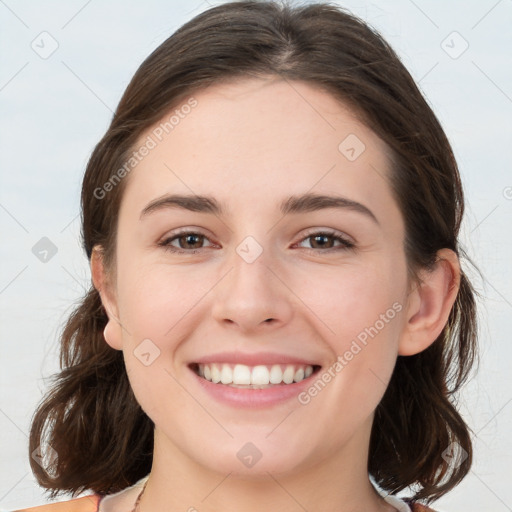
pixel 293 204
pixel 313 202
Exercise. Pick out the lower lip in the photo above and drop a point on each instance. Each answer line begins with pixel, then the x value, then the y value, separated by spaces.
pixel 254 398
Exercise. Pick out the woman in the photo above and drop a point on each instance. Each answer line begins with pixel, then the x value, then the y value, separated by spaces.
pixel 277 311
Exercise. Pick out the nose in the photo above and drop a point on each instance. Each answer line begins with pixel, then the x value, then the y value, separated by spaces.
pixel 253 296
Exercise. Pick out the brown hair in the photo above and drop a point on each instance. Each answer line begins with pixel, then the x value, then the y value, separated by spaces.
pixel 90 416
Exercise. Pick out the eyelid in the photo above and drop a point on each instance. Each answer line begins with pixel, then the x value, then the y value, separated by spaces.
pixel 190 230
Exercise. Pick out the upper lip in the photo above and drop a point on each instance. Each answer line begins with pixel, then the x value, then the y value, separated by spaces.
pixel 261 358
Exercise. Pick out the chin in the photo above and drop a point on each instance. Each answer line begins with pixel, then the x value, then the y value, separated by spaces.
pixel 255 460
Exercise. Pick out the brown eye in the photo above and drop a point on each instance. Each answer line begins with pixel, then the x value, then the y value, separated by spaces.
pixel 187 241
pixel 326 241
pixel 322 241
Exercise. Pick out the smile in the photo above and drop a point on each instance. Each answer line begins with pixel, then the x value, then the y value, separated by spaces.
pixel 254 377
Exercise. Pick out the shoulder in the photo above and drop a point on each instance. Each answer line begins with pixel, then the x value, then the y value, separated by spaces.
pixel 84 504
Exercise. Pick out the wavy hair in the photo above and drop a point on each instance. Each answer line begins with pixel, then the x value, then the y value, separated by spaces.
pixel 90 417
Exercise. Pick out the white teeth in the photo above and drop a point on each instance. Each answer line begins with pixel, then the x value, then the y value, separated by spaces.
pixel 288 374
pixel 241 375
pixel 299 375
pixel 226 375
pixel 260 376
pixel 276 374
pixel 215 373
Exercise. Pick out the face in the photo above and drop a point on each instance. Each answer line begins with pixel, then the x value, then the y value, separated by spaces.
pixel 267 279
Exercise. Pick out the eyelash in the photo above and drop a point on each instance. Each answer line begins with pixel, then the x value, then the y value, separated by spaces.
pixel 345 244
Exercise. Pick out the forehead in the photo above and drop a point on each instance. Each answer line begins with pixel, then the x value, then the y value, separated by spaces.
pixel 256 139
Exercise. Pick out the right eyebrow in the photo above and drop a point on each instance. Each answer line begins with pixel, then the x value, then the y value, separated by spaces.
pixel 194 203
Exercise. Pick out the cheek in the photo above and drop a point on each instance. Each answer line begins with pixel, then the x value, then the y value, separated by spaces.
pixel 154 302
pixel 362 310
pixel 353 303
pixel 155 297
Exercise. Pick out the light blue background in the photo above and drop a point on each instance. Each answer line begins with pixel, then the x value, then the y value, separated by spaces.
pixel 54 111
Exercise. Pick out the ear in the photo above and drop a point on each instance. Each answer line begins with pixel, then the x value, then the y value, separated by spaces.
pixel 430 303
pixel 103 283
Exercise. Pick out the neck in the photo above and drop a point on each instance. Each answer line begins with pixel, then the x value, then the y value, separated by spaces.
pixel 337 483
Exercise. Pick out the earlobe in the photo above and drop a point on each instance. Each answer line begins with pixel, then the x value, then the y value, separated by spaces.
pixel 430 303
pixel 113 330
pixel 112 334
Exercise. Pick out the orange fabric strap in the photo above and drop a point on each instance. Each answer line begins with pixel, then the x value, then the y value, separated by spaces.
pixel 84 504
pixel 90 504
pixel 418 507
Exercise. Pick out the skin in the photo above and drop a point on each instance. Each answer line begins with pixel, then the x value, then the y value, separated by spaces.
pixel 252 143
